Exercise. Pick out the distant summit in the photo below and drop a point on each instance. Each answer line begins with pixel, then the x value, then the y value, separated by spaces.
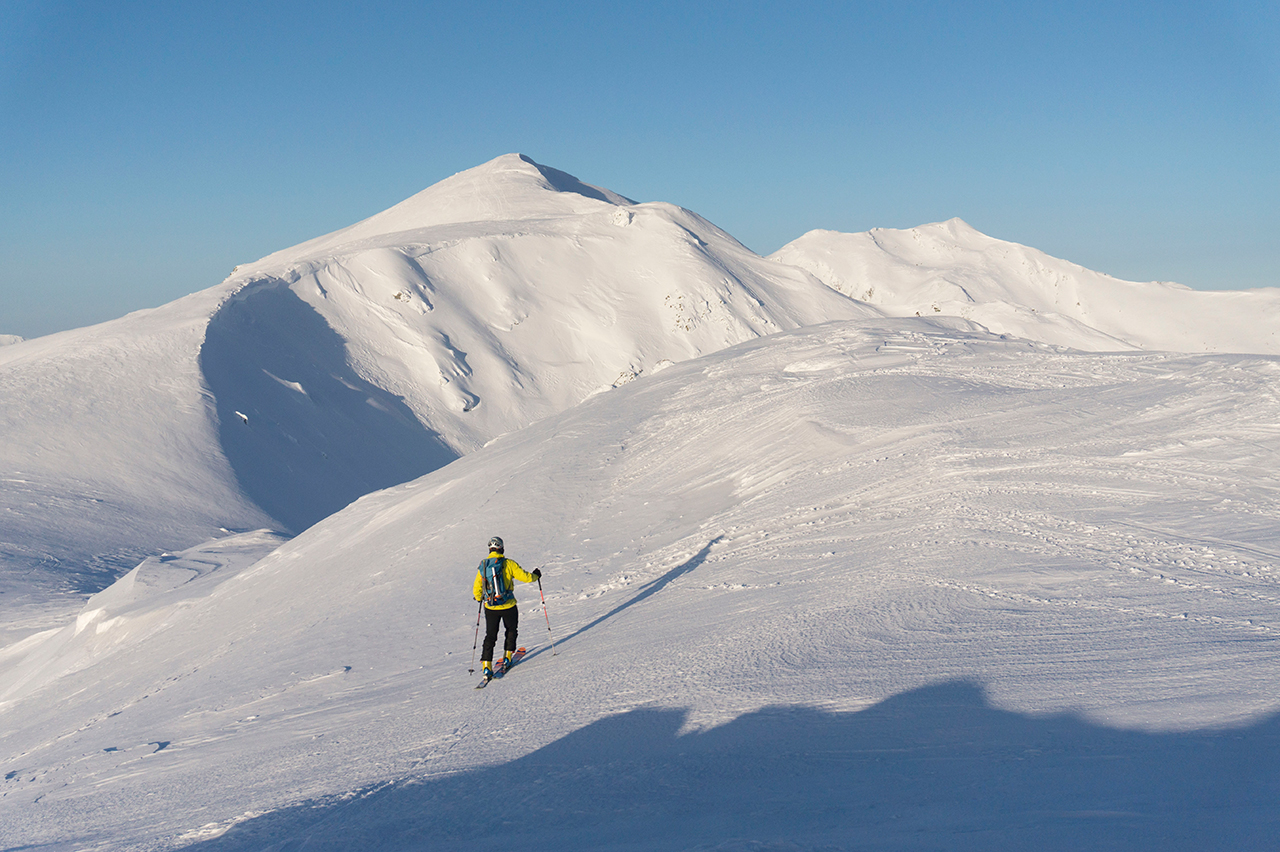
pixel 952 269
pixel 9 339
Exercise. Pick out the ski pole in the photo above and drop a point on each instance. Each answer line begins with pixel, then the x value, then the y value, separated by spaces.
pixel 472 670
pixel 547 617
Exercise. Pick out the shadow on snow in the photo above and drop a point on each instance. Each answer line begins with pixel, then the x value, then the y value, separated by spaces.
pixel 304 433
pixel 647 590
pixel 937 768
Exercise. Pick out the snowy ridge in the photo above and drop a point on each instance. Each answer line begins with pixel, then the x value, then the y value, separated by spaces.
pixel 9 339
pixel 1034 556
pixel 951 269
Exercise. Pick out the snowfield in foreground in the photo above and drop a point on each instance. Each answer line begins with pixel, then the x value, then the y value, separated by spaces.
pixel 874 584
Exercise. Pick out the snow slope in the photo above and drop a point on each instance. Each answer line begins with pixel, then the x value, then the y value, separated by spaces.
pixel 949 268
pixel 9 339
pixel 360 360
pixel 878 584
pixel 110 450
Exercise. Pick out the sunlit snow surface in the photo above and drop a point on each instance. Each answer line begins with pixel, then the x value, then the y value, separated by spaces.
pixel 873 584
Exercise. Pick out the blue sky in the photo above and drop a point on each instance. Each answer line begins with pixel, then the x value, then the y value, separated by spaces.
pixel 147 148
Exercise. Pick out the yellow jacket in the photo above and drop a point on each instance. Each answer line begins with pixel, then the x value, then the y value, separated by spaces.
pixel 510 570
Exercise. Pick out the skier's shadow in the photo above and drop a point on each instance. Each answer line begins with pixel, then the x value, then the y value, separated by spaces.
pixel 647 590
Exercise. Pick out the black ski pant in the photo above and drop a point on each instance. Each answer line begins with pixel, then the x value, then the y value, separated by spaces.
pixel 508 618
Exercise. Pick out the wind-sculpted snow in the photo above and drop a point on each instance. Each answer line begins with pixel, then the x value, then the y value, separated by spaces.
pixel 134 607
pixel 873 584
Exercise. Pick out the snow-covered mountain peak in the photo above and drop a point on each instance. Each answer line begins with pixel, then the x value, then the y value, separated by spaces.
pixel 509 189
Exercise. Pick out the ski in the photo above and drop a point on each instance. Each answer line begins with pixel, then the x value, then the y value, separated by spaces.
pixel 500 668
pixel 503 666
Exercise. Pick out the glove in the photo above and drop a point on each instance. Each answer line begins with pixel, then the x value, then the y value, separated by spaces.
pixel 537 573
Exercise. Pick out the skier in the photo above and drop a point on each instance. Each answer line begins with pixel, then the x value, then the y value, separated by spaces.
pixel 494 581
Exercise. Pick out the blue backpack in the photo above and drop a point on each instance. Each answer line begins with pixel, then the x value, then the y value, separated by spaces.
pixel 496 590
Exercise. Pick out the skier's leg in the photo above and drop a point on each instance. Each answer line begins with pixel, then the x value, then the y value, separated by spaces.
pixel 511 620
pixel 492 618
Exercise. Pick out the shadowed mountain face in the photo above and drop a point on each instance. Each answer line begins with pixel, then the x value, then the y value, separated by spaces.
pixel 304 433
pixel 935 768
pixel 565 182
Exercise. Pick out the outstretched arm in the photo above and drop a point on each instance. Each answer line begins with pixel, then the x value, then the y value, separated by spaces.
pixel 520 574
